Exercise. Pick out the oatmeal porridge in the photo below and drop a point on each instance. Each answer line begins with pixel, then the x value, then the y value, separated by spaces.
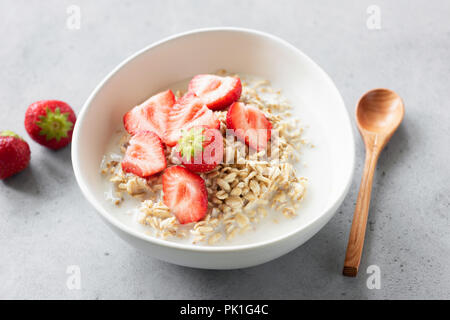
pixel 220 199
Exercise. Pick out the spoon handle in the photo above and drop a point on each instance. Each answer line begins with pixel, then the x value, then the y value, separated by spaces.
pixel 358 230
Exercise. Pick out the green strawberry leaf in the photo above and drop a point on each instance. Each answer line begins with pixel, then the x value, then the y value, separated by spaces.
pixel 54 125
pixel 191 143
pixel 9 133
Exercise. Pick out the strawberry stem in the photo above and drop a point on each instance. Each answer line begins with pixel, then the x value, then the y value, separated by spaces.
pixel 191 142
pixel 54 125
pixel 9 133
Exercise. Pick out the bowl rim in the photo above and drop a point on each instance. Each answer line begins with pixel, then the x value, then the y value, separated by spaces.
pixel 190 247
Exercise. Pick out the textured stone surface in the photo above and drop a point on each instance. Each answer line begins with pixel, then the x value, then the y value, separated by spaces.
pixel 46 225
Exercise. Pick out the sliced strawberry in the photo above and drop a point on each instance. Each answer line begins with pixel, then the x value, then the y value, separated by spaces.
pixel 145 155
pixel 152 115
pixel 200 149
pixel 188 112
pixel 249 124
pixel 215 91
pixel 185 194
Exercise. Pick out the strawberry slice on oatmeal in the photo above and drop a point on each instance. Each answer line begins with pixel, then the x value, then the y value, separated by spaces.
pixel 188 112
pixel 144 155
pixel 215 91
pixel 185 194
pixel 249 124
pixel 151 115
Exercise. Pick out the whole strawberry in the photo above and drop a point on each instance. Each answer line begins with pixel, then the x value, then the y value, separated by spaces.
pixel 200 149
pixel 50 123
pixel 14 154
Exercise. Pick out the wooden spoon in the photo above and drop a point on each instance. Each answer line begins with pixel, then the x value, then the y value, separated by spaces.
pixel 378 114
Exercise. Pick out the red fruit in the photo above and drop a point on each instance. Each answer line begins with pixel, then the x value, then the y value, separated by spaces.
pixel 14 154
pixel 50 123
pixel 185 194
pixel 151 115
pixel 200 149
pixel 215 91
pixel 145 155
pixel 188 112
pixel 249 124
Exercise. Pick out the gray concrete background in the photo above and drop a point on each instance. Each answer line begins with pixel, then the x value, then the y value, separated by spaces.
pixel 47 225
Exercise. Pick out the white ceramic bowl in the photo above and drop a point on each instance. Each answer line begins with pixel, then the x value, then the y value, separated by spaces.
pixel 312 93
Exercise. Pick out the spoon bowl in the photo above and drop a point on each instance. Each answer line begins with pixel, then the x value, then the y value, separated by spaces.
pixel 380 111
